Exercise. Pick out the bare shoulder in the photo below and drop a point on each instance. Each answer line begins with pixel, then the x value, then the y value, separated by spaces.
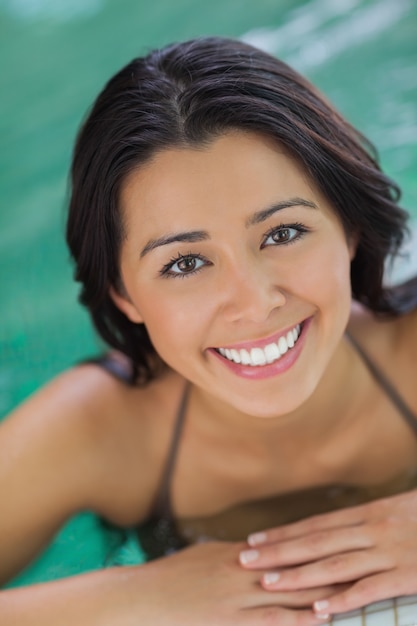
pixel 119 434
pixel 54 435
pixel 66 410
pixel 391 343
pixel 46 469
pixel 84 441
pixel 384 334
pixel 128 430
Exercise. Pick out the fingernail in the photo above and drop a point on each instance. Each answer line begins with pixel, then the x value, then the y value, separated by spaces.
pixel 248 556
pixel 271 578
pixel 320 605
pixel 256 538
pixel 323 616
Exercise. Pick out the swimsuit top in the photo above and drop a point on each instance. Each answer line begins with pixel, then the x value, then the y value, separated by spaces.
pixel 163 534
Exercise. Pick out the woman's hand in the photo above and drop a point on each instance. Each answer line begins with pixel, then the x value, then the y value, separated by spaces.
pixel 204 584
pixel 371 549
pixel 201 585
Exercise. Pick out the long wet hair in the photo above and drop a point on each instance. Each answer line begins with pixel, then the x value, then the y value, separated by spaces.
pixel 187 94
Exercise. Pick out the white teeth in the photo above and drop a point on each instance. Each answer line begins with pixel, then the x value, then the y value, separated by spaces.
pixel 260 356
pixel 245 357
pixel 272 352
pixel 282 345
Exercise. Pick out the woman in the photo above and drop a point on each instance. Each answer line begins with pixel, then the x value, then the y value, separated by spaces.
pixel 230 231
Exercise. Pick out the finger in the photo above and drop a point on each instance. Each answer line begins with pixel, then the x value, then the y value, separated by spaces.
pixel 366 591
pixel 352 516
pixel 304 598
pixel 278 616
pixel 340 568
pixel 311 547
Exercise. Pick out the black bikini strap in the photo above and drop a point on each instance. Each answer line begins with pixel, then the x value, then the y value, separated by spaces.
pixel 162 505
pixel 386 385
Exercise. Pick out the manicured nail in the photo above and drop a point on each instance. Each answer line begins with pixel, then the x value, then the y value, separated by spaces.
pixel 256 538
pixel 271 578
pixel 323 616
pixel 320 605
pixel 248 556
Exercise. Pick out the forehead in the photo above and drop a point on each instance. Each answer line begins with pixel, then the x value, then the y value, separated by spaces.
pixel 235 174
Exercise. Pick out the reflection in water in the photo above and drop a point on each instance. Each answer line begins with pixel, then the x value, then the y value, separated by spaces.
pixel 57 10
pixel 322 29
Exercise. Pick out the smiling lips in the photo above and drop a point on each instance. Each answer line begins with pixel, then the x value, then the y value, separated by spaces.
pixel 266 355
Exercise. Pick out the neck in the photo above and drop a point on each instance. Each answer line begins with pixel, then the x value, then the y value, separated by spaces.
pixel 331 407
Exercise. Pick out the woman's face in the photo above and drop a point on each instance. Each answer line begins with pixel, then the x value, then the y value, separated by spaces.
pixel 239 269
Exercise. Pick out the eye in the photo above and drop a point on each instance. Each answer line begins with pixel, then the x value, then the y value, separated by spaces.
pixel 183 265
pixel 284 234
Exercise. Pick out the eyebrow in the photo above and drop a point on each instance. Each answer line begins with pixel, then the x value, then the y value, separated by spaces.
pixel 194 236
pixel 261 216
pixel 190 236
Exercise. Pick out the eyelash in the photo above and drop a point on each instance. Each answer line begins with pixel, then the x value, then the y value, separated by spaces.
pixel 300 228
pixel 165 272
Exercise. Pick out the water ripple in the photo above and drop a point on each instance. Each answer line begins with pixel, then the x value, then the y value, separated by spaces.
pixel 326 29
pixel 59 11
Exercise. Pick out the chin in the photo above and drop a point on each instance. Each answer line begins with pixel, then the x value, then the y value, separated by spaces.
pixel 275 408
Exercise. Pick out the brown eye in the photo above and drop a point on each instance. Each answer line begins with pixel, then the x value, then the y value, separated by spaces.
pixel 282 235
pixel 184 265
pixel 187 264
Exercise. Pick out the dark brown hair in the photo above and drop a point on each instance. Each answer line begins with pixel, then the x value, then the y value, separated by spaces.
pixel 187 94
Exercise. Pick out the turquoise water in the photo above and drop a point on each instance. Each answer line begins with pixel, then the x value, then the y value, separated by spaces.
pixel 57 54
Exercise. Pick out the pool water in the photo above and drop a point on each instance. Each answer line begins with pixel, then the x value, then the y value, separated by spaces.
pixel 57 55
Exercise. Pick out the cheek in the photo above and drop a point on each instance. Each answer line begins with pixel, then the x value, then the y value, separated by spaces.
pixel 174 323
pixel 326 277
pixel 339 263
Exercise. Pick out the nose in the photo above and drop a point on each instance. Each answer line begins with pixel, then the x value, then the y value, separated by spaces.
pixel 251 293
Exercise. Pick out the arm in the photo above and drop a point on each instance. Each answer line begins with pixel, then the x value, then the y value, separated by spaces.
pixel 98 598
pixel 44 456
pixel 198 586
pixel 55 461
pixel 64 451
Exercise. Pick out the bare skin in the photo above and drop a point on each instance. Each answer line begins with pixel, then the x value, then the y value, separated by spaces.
pixel 119 436
pixel 92 412
pixel 370 548
pixel 200 585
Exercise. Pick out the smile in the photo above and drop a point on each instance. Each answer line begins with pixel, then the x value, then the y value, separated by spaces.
pixel 258 356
